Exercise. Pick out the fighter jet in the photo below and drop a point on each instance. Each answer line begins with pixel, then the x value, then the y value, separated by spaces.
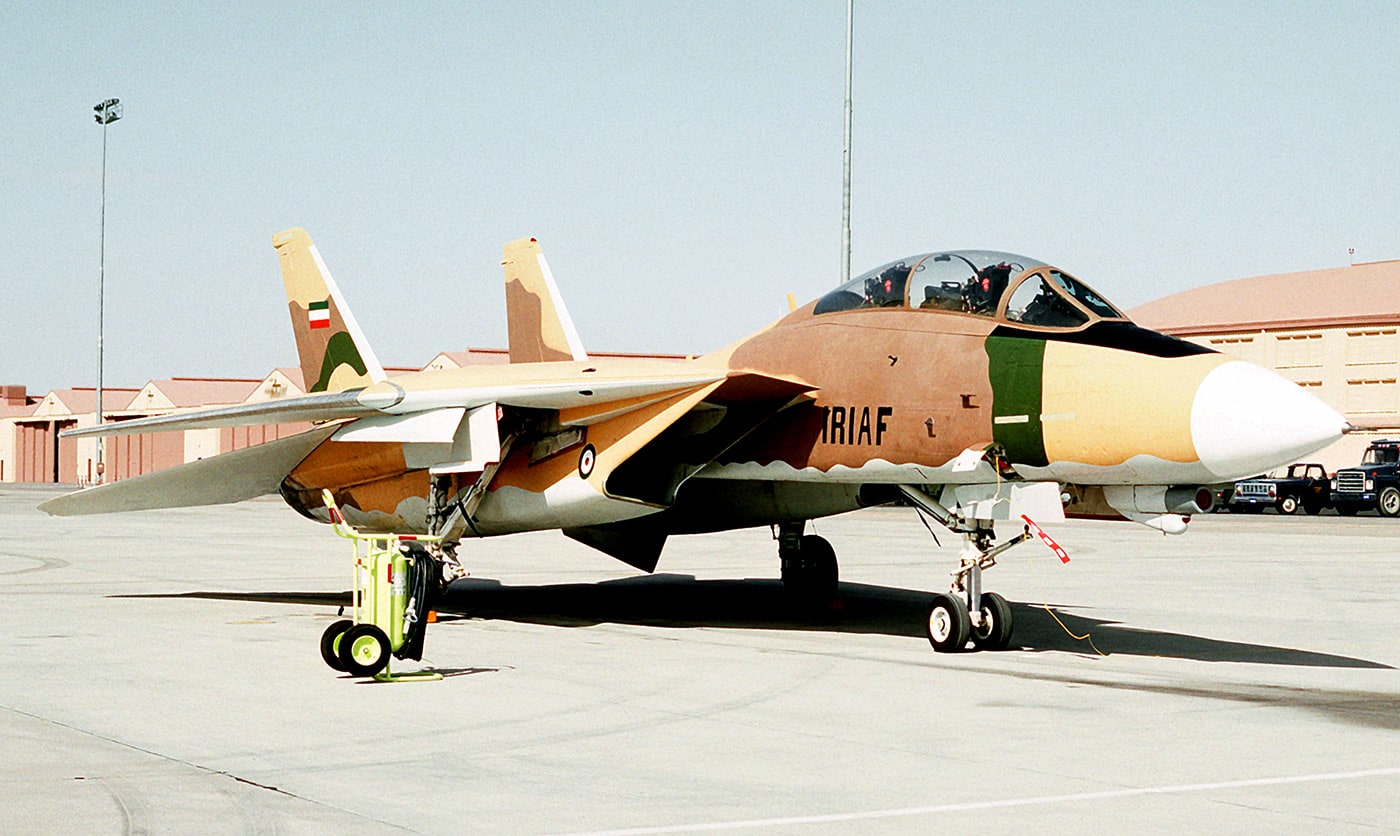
pixel 979 387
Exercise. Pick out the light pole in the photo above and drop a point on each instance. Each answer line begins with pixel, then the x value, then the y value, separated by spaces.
pixel 108 111
pixel 846 159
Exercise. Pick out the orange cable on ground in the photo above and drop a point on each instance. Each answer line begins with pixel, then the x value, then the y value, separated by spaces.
pixel 1084 637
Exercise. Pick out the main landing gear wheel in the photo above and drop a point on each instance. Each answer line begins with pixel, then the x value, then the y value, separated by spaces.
pixel 1289 504
pixel 809 572
pixel 948 623
pixel 1389 503
pixel 994 633
pixel 330 643
pixel 364 650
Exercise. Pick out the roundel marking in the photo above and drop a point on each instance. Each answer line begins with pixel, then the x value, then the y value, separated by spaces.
pixel 586 460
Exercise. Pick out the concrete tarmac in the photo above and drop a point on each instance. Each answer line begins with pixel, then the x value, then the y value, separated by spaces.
pixel 162 674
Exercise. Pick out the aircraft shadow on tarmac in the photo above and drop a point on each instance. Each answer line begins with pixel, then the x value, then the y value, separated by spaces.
pixel 682 601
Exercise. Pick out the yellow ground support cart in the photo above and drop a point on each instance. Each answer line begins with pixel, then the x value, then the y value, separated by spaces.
pixel 394 578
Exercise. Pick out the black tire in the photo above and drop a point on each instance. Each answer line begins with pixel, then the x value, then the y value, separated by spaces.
pixel 1389 502
pixel 1288 505
pixel 811 573
pixel 1347 510
pixel 1312 509
pixel 364 650
pixel 995 631
pixel 948 623
pixel 330 643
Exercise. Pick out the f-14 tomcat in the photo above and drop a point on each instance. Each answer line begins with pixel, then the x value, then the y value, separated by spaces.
pixel 981 387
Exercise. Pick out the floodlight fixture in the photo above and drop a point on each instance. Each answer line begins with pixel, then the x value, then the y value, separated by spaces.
pixel 107 111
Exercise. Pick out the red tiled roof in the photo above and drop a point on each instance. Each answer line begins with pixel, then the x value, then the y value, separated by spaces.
pixel 1365 294
pixel 292 374
pixel 84 398
pixel 201 391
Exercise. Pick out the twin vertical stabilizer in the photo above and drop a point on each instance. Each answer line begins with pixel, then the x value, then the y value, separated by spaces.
pixel 539 324
pixel 335 355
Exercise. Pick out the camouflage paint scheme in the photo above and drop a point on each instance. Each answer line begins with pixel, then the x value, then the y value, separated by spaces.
pixel 817 414
pixel 902 393
pixel 952 382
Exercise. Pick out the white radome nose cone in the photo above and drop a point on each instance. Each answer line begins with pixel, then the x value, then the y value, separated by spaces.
pixel 1246 420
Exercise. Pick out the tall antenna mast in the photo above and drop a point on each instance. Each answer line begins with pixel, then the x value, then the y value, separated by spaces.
pixel 846 162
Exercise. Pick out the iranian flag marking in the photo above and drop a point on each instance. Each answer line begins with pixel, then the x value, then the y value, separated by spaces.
pixel 319 314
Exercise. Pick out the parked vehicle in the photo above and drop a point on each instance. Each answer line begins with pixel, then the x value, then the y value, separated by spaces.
pixel 1222 491
pixel 1373 485
pixel 1304 485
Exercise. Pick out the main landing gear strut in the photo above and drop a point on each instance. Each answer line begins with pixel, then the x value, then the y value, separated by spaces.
pixel 966 613
pixel 454 494
pixel 809 569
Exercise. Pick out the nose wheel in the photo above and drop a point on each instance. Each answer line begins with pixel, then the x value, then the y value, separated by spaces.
pixel 949 624
pixel 994 633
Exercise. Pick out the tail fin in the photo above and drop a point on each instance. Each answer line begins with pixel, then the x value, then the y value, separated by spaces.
pixel 334 353
pixel 540 328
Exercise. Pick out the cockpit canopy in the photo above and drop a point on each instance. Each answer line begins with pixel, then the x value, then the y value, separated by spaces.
pixel 1004 286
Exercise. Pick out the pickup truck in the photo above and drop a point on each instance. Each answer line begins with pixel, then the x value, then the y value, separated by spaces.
pixel 1304 485
pixel 1373 485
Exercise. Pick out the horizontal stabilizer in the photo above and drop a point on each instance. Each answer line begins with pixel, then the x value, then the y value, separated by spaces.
pixel 310 408
pixel 231 477
pixel 635 542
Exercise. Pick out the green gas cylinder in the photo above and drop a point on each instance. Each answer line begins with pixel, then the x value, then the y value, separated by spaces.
pixel 385 591
pixel 398 599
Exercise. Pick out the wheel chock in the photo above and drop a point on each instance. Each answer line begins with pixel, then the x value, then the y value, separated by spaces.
pixel 411 676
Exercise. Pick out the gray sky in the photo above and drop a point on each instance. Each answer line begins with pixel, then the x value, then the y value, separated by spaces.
pixel 680 166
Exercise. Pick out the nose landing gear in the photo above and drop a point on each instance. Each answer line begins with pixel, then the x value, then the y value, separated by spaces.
pixel 965 613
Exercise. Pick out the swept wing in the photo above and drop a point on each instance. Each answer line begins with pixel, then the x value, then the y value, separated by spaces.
pixel 562 386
